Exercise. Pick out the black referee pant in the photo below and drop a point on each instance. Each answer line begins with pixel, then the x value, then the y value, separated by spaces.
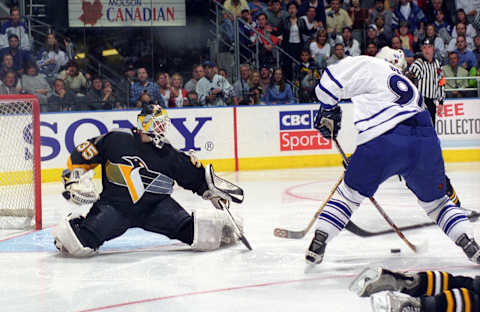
pixel 432 109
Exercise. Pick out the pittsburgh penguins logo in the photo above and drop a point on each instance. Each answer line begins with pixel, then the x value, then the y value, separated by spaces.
pixel 138 178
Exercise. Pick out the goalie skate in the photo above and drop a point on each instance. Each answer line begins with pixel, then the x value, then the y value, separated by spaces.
pixel 373 280
pixel 394 302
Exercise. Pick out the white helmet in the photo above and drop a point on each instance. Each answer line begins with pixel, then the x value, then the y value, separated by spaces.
pixel 394 57
pixel 153 121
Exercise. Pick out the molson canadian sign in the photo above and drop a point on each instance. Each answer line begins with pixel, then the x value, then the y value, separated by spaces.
pixel 126 13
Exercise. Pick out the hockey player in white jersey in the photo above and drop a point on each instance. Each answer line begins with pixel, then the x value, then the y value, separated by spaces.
pixel 395 137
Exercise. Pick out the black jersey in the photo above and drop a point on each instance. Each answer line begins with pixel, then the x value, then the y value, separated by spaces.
pixel 137 175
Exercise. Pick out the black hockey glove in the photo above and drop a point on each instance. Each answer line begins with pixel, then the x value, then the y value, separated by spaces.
pixel 328 121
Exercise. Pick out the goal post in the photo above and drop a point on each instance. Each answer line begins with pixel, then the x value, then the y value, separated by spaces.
pixel 20 169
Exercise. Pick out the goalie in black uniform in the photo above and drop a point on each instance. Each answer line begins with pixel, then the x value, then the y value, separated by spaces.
pixel 139 168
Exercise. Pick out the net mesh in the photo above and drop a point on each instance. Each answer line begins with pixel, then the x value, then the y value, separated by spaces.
pixel 17 195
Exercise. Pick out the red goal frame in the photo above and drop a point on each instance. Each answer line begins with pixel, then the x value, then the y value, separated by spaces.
pixel 37 171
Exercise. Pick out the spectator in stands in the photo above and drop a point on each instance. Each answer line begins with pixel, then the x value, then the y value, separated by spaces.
pixel 409 55
pixel 337 18
pixel 62 99
pixel 126 84
pixel 352 47
pixel 265 76
pixel 178 95
pixel 372 49
pixel 384 33
pixel 192 99
pixel 453 70
pixel 143 85
pixel 307 75
pixel 278 91
pixel 470 31
pixel 440 49
pixel 292 39
pixel 16 27
pixel 95 96
pixel 236 6
pixel 433 7
pixel 468 6
pixel 20 57
pixel 461 31
pixel 358 15
pixel 265 46
pixel 222 72
pixel 197 74
pixel 319 8
pixel 241 87
pixel 163 83
pixel 466 58
pixel 227 33
pixel 7 65
pixel 373 36
pixel 474 72
pixel 409 12
pixel 9 84
pixel 320 48
pixel 36 84
pixel 246 25
pixel 256 7
pixel 73 78
pixel 442 27
pixel 213 89
pixel 308 25
pixel 275 16
pixel 50 58
pixel 257 91
pixel 476 43
pixel 110 99
pixel 407 38
pixel 380 11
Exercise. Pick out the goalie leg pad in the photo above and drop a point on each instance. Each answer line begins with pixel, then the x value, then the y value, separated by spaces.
pixel 67 241
pixel 212 228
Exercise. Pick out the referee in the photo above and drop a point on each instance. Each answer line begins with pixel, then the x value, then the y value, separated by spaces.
pixel 428 74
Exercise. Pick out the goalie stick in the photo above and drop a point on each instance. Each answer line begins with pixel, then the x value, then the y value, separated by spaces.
pixel 240 235
pixel 355 229
pixel 284 233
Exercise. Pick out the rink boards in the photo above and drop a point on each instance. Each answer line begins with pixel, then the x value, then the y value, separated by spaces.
pixel 250 138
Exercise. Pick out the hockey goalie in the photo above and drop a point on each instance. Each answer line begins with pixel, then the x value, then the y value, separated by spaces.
pixel 139 168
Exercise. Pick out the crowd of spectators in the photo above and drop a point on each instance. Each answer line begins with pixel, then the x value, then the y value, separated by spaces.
pixel 315 33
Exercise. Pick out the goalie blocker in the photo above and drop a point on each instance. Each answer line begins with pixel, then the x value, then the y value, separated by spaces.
pixel 139 168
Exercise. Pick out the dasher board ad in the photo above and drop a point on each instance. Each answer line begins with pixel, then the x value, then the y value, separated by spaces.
pixel 126 13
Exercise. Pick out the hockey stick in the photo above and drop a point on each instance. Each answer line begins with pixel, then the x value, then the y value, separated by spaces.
pixel 241 237
pixel 284 233
pixel 375 203
pixel 355 229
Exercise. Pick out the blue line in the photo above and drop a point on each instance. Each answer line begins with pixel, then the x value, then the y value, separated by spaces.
pixel 399 114
pixel 333 78
pixel 327 92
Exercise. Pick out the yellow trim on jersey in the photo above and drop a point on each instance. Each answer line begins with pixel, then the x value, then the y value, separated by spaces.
pixel 467 300
pixel 430 283
pixel 445 281
pixel 85 167
pixel 126 170
pixel 450 301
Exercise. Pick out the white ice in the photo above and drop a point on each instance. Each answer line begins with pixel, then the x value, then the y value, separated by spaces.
pixel 142 271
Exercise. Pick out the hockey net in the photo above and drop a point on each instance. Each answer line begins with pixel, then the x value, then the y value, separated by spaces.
pixel 20 180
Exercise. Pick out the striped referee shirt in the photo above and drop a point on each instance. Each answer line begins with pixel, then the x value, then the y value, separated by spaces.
pixel 428 76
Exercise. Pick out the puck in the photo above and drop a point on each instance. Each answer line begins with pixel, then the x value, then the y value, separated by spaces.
pixel 395 250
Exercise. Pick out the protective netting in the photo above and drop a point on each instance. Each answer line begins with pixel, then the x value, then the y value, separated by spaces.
pixel 17 190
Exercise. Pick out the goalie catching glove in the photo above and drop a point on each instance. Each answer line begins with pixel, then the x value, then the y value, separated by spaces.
pixel 79 187
pixel 221 192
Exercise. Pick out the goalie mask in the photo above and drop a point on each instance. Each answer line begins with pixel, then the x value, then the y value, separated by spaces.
pixel 394 57
pixel 153 121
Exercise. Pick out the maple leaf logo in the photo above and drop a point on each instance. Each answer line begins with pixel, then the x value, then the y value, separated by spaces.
pixel 92 12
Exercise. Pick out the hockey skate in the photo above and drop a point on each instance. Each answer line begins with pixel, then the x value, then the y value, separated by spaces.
pixel 394 302
pixel 373 280
pixel 314 254
pixel 470 247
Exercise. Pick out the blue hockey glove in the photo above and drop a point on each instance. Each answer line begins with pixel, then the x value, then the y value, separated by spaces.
pixel 328 121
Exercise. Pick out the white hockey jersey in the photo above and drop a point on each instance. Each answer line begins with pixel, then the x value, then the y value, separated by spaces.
pixel 382 96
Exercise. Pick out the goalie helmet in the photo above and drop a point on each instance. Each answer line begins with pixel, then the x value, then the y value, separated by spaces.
pixel 394 57
pixel 153 121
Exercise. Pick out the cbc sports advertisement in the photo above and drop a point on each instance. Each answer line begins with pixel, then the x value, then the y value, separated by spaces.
pixel 250 137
